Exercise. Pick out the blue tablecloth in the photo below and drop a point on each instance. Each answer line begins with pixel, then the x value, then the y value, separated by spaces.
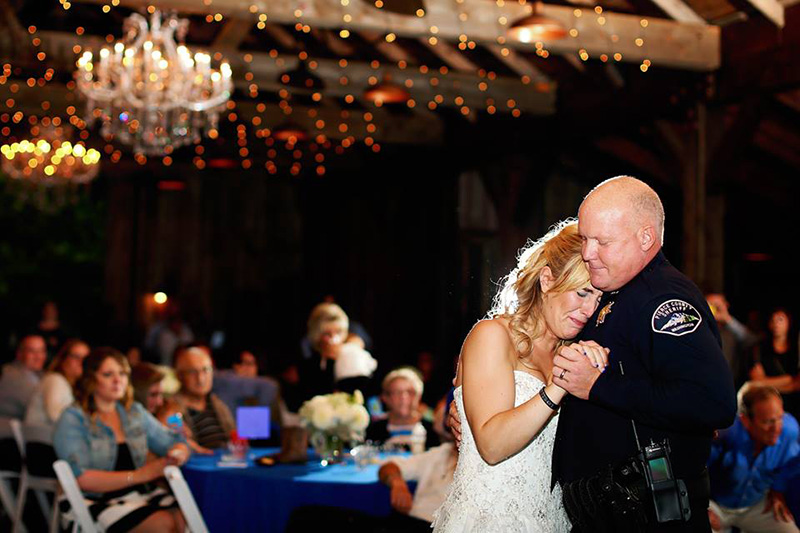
pixel 259 498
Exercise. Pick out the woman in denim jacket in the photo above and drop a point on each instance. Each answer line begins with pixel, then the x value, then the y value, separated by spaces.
pixel 105 437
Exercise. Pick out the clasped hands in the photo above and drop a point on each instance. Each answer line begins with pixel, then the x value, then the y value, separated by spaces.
pixel 575 369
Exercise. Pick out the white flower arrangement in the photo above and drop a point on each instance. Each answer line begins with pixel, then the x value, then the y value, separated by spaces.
pixel 340 415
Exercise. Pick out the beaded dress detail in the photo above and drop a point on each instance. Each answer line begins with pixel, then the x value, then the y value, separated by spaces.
pixel 511 496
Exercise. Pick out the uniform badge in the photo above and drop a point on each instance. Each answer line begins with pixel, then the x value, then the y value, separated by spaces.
pixel 601 316
pixel 676 317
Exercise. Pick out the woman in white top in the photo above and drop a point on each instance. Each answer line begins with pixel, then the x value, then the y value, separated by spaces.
pixel 54 392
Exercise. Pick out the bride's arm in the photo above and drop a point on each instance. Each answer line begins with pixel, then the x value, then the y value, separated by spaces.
pixel 500 429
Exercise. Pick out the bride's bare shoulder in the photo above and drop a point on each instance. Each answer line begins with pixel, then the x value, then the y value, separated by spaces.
pixel 491 330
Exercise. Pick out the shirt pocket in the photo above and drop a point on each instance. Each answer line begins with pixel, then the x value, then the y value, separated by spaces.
pixel 101 456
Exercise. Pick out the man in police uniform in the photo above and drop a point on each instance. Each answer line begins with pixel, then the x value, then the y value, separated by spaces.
pixel 666 369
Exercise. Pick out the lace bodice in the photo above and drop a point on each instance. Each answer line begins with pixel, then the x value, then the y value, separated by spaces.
pixel 511 496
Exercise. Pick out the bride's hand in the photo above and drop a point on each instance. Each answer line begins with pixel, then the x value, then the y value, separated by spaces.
pixel 596 354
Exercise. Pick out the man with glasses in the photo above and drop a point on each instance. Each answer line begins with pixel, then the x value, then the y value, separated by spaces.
pixel 751 464
pixel 402 391
pixel 208 418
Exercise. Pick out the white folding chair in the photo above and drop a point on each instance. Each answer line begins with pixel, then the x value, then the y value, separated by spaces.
pixel 83 520
pixel 194 520
pixel 38 484
pixel 7 497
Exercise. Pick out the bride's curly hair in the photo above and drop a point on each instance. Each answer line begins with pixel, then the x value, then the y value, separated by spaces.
pixel 520 297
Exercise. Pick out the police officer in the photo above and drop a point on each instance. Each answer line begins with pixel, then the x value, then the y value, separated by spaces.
pixel 666 369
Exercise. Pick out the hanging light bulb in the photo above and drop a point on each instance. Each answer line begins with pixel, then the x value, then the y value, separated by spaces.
pixel 387 92
pixel 535 27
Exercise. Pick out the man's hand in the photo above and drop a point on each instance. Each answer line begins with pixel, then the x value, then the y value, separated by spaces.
pixel 454 421
pixel 575 372
pixel 776 502
pixel 719 307
pixel 401 497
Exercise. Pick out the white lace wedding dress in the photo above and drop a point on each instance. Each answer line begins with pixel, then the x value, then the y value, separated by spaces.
pixel 511 496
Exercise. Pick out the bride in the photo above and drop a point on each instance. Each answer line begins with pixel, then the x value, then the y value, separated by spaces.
pixel 504 387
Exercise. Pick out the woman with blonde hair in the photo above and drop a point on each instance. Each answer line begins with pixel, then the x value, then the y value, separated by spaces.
pixel 337 359
pixel 105 439
pixel 505 395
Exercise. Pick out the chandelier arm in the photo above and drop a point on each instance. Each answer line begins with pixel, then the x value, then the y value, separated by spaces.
pixel 141 25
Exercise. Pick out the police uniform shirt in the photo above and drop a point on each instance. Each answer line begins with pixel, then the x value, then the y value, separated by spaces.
pixel 676 383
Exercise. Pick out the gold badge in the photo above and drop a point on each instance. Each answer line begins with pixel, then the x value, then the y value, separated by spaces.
pixel 603 312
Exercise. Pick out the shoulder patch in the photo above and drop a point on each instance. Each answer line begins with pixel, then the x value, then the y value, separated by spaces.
pixel 676 317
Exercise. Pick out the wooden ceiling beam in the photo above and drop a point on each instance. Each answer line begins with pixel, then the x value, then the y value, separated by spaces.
pixel 772 9
pixel 680 11
pixel 266 70
pixel 233 33
pixel 454 59
pixel 669 43
pixel 518 64
pixel 392 50
pixel 332 41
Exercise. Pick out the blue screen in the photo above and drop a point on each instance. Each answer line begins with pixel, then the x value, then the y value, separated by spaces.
pixel 252 422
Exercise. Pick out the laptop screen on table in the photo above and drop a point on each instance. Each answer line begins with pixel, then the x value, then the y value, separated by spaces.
pixel 253 422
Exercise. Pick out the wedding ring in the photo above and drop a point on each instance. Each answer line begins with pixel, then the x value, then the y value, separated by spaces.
pixel 563 373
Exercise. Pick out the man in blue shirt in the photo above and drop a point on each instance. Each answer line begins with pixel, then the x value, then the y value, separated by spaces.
pixel 751 463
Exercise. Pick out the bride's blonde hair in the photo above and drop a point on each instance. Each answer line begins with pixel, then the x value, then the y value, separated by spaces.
pixel 520 298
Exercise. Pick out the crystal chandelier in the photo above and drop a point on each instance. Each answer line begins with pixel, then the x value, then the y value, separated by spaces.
pixel 150 92
pixel 50 162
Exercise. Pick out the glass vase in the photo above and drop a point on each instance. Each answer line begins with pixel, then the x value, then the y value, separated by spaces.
pixel 329 448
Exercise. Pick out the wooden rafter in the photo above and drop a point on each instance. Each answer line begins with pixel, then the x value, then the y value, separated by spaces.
pixel 266 70
pixel 671 43
pixel 772 9
pixel 680 11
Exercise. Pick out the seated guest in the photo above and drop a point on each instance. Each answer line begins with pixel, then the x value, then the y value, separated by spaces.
pixel 778 360
pixel 21 376
pixel 247 388
pixel 105 438
pixel 146 379
pixel 433 472
pixel 207 418
pixel 168 334
pixel 328 334
pixel 50 327
pixel 246 365
pixel 751 463
pixel 54 392
pixel 237 391
pixel 402 391
pixel 737 341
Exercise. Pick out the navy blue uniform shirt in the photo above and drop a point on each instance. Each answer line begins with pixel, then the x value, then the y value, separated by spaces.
pixel 676 383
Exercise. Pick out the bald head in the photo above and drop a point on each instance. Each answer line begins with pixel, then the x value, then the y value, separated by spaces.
pixel 635 201
pixel 621 223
